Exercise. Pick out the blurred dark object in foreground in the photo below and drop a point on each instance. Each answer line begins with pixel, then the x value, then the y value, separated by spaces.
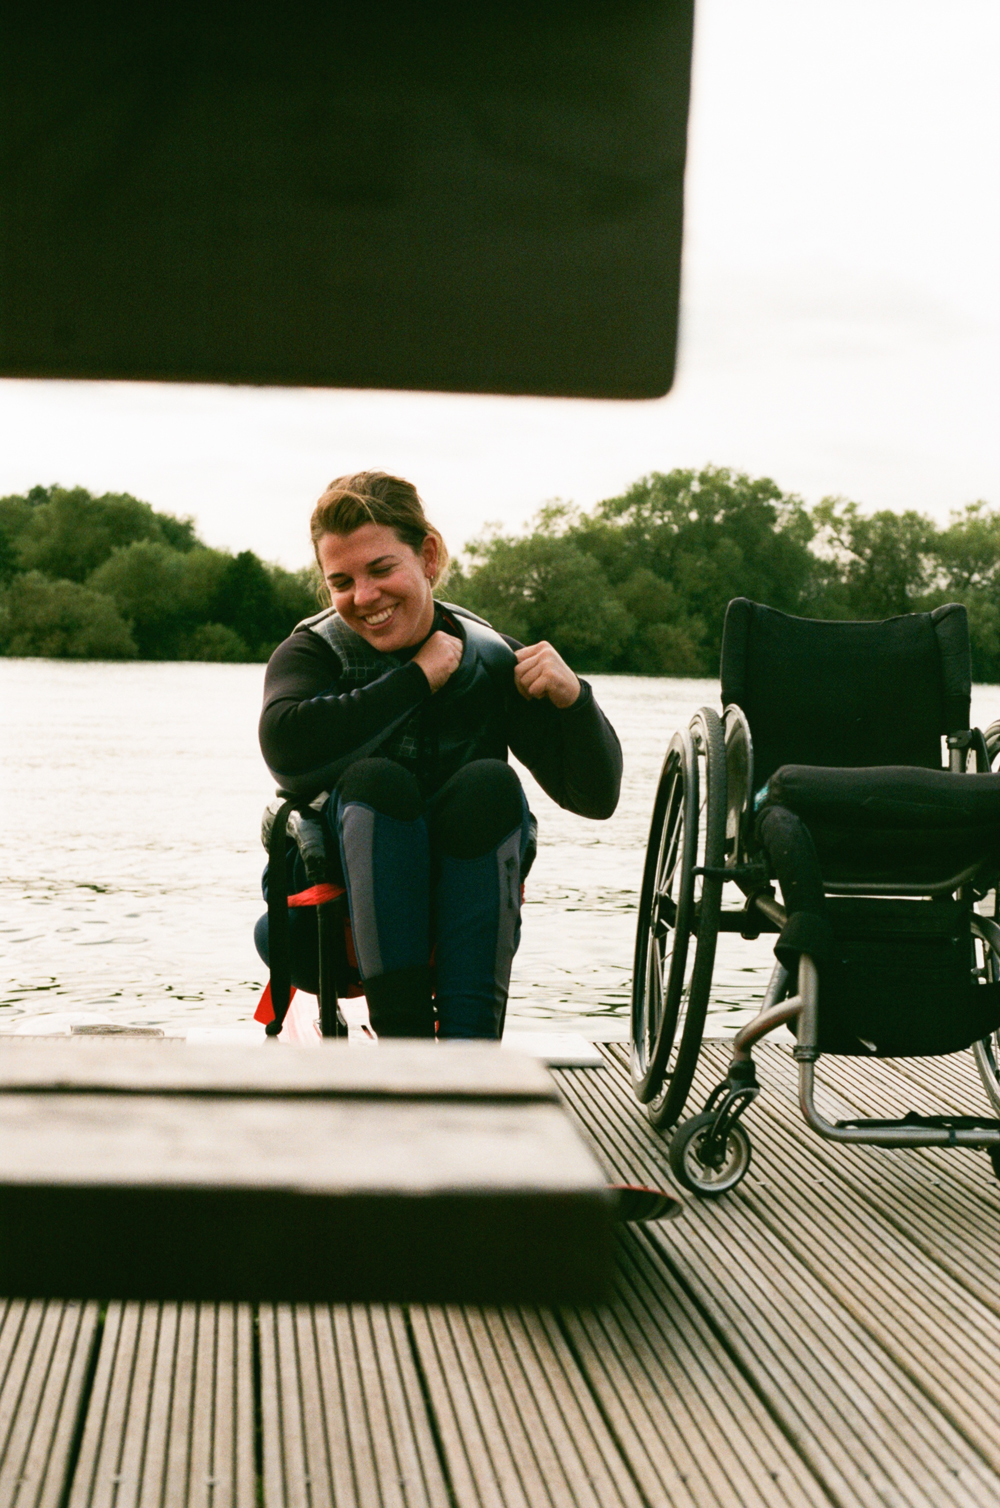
pixel 159 1170
pixel 481 198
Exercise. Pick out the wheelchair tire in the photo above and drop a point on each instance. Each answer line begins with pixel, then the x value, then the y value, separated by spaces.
pixel 700 1177
pixel 671 980
pixel 991 738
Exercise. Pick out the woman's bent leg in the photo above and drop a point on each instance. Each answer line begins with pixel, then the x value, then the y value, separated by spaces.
pixel 478 823
pixel 377 816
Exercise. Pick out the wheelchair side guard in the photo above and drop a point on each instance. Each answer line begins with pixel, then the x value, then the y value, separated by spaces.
pixel 711 1153
pixel 910 1131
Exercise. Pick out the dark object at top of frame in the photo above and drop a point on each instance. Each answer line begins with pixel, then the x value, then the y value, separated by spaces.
pixel 480 198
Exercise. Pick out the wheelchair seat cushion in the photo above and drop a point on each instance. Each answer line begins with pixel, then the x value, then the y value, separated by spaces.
pixel 893 822
pixel 887 796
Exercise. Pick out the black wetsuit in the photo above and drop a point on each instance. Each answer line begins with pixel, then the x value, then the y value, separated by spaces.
pixel 435 839
pixel 310 719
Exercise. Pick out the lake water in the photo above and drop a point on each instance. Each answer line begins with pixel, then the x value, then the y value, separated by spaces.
pixel 130 882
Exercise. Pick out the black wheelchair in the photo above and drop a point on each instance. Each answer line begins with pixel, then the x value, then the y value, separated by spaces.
pixel 824 775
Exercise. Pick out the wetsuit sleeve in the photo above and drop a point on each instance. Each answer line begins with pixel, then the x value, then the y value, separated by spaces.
pixel 573 752
pixel 307 722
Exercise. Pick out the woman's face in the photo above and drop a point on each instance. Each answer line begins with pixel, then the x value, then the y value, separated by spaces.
pixel 379 586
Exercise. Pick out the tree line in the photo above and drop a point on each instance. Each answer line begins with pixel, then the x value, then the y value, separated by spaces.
pixel 85 577
pixel 640 583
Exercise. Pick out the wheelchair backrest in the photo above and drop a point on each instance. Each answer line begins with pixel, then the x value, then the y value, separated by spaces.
pixel 838 693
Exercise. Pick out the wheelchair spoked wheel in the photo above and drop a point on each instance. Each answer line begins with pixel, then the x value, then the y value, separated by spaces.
pixel 672 978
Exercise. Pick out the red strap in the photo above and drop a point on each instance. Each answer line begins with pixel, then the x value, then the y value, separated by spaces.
pixel 265 1006
pixel 316 895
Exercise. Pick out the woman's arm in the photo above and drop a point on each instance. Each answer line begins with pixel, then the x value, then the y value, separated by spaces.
pixel 307 723
pixel 569 746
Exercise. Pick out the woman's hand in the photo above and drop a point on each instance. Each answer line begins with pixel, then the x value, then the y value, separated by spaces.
pixel 438 658
pixel 541 671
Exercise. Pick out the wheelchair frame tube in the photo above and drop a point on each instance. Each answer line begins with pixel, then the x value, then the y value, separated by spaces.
pixel 774 1011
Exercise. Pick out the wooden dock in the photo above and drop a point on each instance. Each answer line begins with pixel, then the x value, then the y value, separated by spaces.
pixel 829 1333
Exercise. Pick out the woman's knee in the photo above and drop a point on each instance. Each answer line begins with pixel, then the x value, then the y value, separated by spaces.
pixel 384 786
pixel 476 809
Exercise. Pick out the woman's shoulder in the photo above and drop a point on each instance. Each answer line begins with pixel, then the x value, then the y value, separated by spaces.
pixel 302 653
pixel 495 649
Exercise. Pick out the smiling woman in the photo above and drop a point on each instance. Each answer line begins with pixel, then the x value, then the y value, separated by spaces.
pixel 395 712
pixel 380 557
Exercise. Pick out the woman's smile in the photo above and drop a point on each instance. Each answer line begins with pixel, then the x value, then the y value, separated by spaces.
pixel 376 620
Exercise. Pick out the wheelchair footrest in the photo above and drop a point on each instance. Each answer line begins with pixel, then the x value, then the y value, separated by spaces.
pixel 931 1122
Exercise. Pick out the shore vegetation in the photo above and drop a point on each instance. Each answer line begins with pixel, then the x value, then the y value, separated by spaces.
pixel 109 578
pixel 639 584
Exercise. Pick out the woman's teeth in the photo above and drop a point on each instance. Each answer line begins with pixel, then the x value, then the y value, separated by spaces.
pixel 376 619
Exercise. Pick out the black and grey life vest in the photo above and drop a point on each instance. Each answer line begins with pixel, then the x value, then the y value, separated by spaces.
pixel 461 722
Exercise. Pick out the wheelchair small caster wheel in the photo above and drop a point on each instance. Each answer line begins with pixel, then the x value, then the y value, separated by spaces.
pixel 708 1177
pixel 995 1159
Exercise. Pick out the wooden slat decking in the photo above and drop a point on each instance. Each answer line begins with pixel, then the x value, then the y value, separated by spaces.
pixel 170 1419
pixel 823 1337
pixel 820 1313
pixel 46 1350
pixel 344 1422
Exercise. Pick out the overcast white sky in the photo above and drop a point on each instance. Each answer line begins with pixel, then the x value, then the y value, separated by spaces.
pixel 840 323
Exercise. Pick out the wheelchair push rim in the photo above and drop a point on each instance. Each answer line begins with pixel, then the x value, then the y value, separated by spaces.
pixel 672 979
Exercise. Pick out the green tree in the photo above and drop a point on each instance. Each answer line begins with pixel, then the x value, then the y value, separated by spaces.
pixel 146 580
pixel 248 602
pixel 713 535
pixel 61 620
pixel 176 597
pixel 213 641
pixel 168 598
pixel 675 548
pixel 297 594
pixel 204 571
pixel 667 639
pixel 968 559
pixel 545 587
pixel 70 532
pixel 968 551
pixel 15 515
pixel 178 533
pixel 888 561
